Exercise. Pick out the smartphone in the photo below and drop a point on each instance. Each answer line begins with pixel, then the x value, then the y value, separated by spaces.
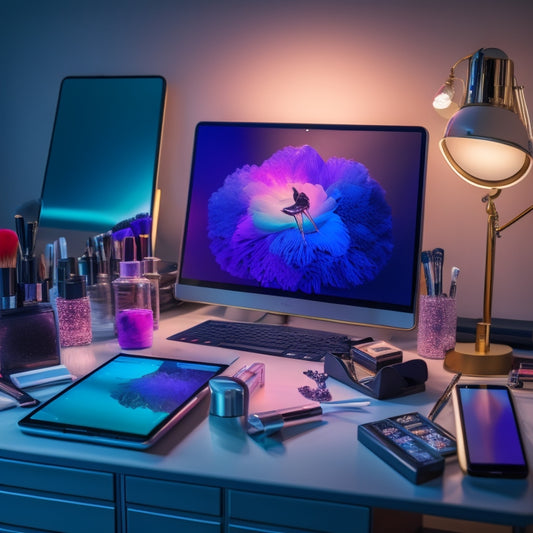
pixel 489 443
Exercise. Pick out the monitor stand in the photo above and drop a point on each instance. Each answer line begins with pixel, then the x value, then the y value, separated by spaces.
pixel 236 314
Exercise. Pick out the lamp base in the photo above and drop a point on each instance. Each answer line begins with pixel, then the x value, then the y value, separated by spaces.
pixel 465 359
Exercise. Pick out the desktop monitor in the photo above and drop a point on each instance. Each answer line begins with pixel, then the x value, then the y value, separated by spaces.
pixel 319 221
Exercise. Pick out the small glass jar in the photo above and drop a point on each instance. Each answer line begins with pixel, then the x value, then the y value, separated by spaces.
pixel 133 307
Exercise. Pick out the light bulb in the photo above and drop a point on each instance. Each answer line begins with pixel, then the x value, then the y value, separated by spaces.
pixel 443 98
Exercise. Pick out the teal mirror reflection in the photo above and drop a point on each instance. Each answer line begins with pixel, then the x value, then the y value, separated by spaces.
pixel 103 159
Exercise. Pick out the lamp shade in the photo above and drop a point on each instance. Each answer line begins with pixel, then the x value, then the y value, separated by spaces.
pixel 487 142
pixel 487 146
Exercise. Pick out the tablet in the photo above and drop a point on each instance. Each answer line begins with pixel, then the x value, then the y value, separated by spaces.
pixel 130 401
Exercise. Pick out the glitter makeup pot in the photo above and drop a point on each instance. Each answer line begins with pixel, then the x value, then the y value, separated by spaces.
pixel 437 323
pixel 74 313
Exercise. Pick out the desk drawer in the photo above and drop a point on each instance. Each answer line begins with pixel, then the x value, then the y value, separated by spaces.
pixel 54 498
pixel 60 480
pixel 46 512
pixel 143 521
pixel 174 496
pixel 299 513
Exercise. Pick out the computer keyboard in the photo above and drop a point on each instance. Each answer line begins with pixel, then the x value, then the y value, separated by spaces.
pixel 283 341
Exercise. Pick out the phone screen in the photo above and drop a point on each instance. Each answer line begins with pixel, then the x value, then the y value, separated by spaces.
pixel 492 441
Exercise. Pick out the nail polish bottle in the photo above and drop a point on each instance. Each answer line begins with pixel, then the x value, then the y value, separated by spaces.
pixel 133 307
pixel 74 312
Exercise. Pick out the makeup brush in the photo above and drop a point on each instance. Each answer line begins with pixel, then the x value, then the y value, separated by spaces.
pixel 9 245
pixel 142 228
pixel 20 227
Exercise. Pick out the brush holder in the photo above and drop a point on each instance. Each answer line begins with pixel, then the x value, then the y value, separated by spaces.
pixel 437 325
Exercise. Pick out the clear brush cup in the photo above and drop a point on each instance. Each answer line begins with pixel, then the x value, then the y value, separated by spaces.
pixel 437 324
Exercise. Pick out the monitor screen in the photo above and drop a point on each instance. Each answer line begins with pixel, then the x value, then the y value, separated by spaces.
pixel 319 221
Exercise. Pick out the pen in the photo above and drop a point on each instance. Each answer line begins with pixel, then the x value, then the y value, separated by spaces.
pixel 443 400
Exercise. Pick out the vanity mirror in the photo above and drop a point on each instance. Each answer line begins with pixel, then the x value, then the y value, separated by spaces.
pixel 103 159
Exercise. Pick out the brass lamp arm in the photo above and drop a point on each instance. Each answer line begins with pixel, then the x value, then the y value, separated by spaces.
pixel 499 229
pixel 452 70
pixel 482 343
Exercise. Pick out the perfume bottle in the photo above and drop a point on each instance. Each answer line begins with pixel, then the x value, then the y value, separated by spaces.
pixel 74 312
pixel 102 310
pixel 151 273
pixel 100 297
pixel 133 307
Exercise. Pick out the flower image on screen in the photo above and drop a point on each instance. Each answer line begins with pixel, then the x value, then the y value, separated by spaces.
pixel 298 222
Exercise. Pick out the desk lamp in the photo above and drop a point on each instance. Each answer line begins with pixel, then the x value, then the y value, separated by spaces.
pixel 487 142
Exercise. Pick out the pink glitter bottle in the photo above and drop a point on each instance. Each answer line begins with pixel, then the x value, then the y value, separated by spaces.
pixel 74 313
pixel 133 307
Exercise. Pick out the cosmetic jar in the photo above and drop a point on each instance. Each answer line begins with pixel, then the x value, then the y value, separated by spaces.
pixel 230 395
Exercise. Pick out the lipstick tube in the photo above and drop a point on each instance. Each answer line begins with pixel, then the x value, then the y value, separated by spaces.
pixel 269 422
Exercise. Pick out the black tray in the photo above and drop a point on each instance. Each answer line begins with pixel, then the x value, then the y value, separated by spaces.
pixel 392 381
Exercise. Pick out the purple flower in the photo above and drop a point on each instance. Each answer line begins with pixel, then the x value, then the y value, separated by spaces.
pixel 297 222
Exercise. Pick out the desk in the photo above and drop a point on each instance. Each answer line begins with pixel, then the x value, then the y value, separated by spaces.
pixel 207 475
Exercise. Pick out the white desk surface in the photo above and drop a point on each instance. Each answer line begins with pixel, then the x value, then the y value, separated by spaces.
pixel 324 461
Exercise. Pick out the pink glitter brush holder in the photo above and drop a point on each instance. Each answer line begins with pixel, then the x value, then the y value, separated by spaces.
pixel 437 323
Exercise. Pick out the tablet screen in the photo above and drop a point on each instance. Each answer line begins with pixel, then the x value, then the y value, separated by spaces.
pixel 130 398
